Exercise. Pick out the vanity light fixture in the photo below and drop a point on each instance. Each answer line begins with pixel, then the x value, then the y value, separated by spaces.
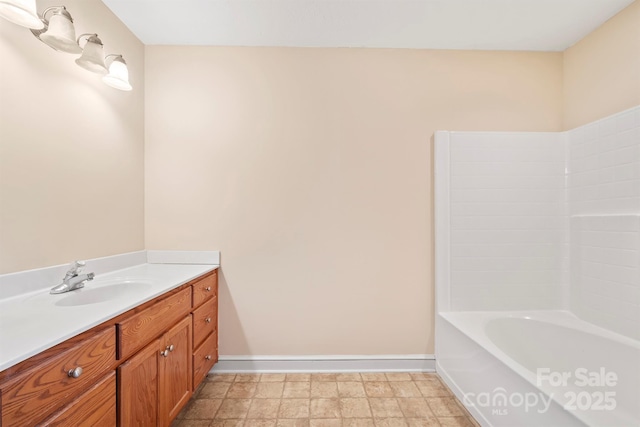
pixel 21 12
pixel 58 31
pixel 118 76
pixel 92 58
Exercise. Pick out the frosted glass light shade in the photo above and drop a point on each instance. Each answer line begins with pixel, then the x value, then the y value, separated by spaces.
pixel 92 58
pixel 118 76
pixel 60 33
pixel 21 12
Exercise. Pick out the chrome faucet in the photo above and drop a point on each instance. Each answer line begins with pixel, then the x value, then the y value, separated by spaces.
pixel 73 279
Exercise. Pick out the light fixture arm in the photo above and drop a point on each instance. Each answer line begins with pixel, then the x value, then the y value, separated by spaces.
pixel 90 36
pixel 63 11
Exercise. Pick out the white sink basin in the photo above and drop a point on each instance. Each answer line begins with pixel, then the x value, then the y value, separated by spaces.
pixel 102 292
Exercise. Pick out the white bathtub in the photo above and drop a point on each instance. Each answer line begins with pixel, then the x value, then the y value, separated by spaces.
pixel 539 368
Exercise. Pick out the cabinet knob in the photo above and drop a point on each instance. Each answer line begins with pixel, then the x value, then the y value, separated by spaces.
pixel 208 289
pixel 164 353
pixel 75 373
pixel 207 357
pixel 208 320
pixel 170 347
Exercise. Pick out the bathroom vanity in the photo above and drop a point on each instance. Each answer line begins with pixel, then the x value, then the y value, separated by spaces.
pixel 139 367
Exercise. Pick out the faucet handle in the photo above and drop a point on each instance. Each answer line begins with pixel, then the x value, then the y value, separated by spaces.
pixel 76 267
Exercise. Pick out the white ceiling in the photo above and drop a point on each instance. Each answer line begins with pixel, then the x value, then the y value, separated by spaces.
pixel 546 25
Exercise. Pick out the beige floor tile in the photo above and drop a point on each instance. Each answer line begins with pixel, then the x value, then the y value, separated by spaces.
pixel 357 407
pixel 398 376
pixel 242 390
pixel 214 390
pixel 385 407
pixel 432 388
pixel 390 422
pixel 415 407
pixel 465 411
pixel 294 408
pixel 422 422
pixel 201 409
pixel 378 389
pixel 358 422
pixel 296 389
pixel 269 390
pixel 247 378
pixel 227 423
pixel 324 408
pixel 349 377
pixel 405 389
pixel 228 378
pixel 445 407
pixel 324 389
pixel 423 376
pixel 260 423
pixel 298 377
pixel 272 378
pixel 327 422
pixel 233 408
pixel 323 377
pixel 264 408
pixel 415 399
pixel 302 422
pixel 373 376
pixel 455 422
pixel 350 389
pixel 191 423
pixel 474 422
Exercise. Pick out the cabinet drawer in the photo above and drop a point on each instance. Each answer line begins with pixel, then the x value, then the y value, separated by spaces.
pixel 204 358
pixel 138 330
pixel 95 408
pixel 205 289
pixel 29 398
pixel 205 320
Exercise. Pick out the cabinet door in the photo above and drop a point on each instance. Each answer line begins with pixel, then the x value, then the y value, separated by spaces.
pixel 175 370
pixel 138 388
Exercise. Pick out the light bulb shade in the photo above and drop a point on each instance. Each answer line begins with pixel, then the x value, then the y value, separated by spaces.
pixel 118 76
pixel 92 58
pixel 60 33
pixel 21 12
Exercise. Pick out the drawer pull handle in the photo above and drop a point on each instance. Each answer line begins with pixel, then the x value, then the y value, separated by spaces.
pixel 75 373
pixel 208 320
pixel 164 353
pixel 208 289
pixel 170 347
pixel 207 357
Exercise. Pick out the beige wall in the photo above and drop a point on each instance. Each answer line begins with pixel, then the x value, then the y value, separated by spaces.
pixel 311 170
pixel 602 71
pixel 71 148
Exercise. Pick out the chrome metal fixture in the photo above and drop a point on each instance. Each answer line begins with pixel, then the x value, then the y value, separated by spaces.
pixel 73 279
pixel 58 32
pixel 92 58
pixel 55 29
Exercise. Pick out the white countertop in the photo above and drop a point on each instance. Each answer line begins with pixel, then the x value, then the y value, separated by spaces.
pixel 33 322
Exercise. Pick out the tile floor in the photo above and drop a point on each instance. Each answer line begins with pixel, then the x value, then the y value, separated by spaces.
pixel 324 400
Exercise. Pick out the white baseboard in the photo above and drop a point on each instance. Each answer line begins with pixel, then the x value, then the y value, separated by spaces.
pixel 348 363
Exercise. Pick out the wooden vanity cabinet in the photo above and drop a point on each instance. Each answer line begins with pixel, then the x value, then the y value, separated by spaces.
pixel 156 383
pixel 140 368
pixel 205 326
pixel 95 408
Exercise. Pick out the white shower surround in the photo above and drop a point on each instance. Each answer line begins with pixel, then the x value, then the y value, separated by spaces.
pixel 547 222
